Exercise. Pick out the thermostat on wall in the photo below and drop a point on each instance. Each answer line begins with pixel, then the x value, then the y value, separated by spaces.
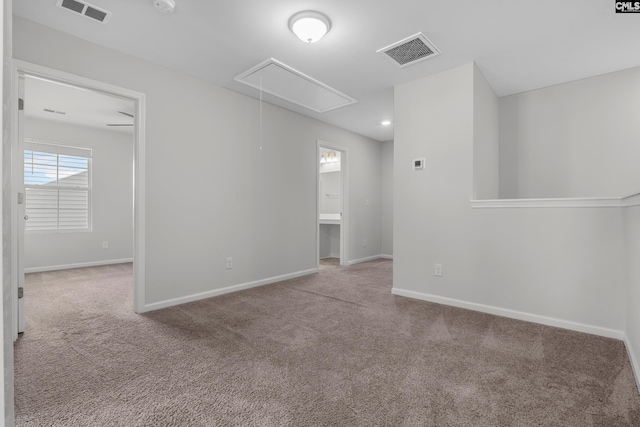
pixel 418 163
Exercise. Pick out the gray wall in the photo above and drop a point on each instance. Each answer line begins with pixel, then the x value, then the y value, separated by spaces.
pixel 486 136
pixel 632 232
pixel 552 265
pixel 329 241
pixel 6 352
pixel 331 192
pixel 386 196
pixel 211 193
pixel 578 139
pixel 112 200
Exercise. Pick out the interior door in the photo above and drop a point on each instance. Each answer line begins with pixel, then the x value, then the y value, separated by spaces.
pixel 18 177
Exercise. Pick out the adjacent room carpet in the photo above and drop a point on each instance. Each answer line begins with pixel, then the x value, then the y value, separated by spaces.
pixel 331 349
pixel 329 263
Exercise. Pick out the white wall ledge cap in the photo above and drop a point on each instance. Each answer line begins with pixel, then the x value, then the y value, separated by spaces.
pixel 577 202
pixel 633 200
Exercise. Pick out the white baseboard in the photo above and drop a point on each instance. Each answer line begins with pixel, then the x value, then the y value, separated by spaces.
pixel 222 291
pixel 634 361
pixel 78 265
pixel 358 261
pixel 513 314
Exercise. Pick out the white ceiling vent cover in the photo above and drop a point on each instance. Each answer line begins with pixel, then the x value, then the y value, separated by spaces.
pixel 277 79
pixel 88 10
pixel 410 50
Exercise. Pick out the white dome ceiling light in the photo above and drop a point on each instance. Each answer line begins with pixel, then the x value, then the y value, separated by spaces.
pixel 166 6
pixel 309 25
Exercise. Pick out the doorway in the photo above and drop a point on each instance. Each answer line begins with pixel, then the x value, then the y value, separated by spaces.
pixel 77 185
pixel 133 118
pixel 332 164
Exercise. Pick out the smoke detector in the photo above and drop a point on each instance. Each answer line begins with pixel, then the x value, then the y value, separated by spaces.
pixel 166 6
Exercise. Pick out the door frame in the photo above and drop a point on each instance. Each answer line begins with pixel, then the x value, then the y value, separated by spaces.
pixel 17 163
pixel 344 222
pixel 22 68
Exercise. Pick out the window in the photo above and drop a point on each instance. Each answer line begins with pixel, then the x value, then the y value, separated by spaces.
pixel 57 182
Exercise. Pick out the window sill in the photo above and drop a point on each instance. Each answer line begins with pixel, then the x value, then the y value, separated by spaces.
pixel 56 231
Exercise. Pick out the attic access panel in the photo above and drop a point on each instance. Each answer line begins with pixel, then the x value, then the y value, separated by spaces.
pixel 277 79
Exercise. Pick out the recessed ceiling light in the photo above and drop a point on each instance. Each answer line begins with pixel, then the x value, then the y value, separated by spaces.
pixel 385 122
pixel 309 25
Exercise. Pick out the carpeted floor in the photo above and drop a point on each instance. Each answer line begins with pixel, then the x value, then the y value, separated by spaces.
pixel 326 263
pixel 330 349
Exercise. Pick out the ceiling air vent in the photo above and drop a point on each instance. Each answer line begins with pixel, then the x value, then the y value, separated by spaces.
pixel 409 51
pixel 86 9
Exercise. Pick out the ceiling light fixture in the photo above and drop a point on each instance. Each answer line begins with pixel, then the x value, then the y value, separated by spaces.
pixel 331 157
pixel 166 6
pixel 309 25
pixel 385 122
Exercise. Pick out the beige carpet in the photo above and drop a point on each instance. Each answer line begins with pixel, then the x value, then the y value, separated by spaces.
pixel 327 263
pixel 331 349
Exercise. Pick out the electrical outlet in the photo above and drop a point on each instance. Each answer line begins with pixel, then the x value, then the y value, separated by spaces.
pixel 437 270
pixel 364 243
pixel 105 245
pixel 229 263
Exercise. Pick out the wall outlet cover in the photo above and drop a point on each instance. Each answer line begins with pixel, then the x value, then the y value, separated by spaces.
pixel 437 270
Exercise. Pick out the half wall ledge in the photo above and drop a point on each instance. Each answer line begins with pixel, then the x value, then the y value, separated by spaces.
pixel 577 202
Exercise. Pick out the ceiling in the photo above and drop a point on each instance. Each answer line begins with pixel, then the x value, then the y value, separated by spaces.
pixel 77 106
pixel 518 45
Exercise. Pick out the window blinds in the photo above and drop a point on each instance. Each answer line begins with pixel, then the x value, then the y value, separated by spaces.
pixel 57 183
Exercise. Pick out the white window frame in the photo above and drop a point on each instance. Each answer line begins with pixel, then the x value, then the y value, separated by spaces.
pixel 62 149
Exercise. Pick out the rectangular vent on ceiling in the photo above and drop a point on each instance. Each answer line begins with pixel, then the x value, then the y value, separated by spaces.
pixel 409 51
pixel 88 10
pixel 277 79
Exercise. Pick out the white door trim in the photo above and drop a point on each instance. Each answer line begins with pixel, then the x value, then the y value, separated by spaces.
pixel 17 166
pixel 344 223
pixel 25 68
